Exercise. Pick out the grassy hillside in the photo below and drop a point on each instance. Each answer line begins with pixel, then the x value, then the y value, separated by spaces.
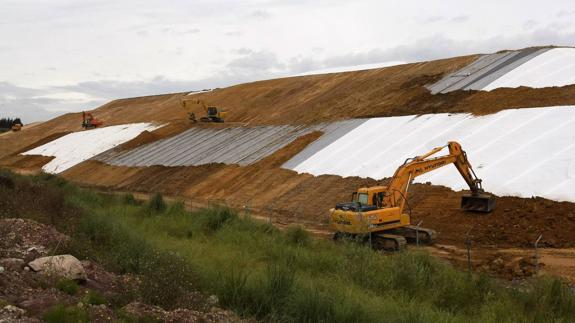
pixel 268 274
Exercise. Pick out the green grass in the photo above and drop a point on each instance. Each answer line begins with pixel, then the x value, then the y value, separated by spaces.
pixel 69 287
pixel 94 298
pixel 63 314
pixel 259 271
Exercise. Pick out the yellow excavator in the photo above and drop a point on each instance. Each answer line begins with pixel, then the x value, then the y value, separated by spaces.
pixel 213 114
pixel 377 213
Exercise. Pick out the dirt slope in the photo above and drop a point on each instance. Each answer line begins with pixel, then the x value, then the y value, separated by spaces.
pixel 392 91
pixel 289 197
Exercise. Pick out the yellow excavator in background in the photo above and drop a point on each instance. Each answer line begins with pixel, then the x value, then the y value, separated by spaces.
pixel 377 213
pixel 213 114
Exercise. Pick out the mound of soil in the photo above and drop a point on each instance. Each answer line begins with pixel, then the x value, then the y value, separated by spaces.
pixel 516 222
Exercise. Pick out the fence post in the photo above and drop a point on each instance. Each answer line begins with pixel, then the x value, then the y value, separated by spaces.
pixel 468 246
pixel 368 232
pixel 247 209
pixel 537 254
pixel 417 233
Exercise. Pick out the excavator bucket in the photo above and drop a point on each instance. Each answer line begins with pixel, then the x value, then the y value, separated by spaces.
pixel 478 203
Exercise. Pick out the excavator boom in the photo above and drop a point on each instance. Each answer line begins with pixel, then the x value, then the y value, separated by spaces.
pixel 413 167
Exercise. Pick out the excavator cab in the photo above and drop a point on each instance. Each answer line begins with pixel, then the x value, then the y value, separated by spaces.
pixel 478 202
pixel 212 112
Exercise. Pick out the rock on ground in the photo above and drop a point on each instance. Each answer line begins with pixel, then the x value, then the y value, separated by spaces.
pixel 64 266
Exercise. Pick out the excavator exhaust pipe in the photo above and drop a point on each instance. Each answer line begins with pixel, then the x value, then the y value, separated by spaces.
pixel 478 203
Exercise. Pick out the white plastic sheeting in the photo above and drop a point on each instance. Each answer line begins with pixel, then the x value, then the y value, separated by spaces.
pixel 524 152
pixel 77 147
pixel 352 68
pixel 555 67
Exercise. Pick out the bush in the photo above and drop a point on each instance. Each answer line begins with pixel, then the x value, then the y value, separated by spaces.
pixel 157 203
pixel 62 314
pixel 211 220
pixel 69 287
pixel 166 278
pixel 297 235
pixel 279 283
pixel 129 199
pixel 114 244
pixel 177 209
pixel 94 298
pixel 232 288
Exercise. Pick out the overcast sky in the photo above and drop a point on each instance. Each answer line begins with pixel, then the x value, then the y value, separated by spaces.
pixel 58 56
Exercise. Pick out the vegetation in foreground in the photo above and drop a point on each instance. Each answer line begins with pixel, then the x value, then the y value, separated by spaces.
pixel 262 272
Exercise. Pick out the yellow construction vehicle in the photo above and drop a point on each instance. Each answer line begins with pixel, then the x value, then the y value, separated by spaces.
pixel 213 114
pixel 377 213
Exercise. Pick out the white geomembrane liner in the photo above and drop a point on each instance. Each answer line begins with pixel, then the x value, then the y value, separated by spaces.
pixel 523 152
pixel 556 67
pixel 352 68
pixel 77 147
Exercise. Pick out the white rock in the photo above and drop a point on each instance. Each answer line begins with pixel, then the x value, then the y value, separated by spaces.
pixel 64 266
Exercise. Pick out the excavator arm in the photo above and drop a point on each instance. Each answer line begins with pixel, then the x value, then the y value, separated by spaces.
pixel 188 104
pixel 417 166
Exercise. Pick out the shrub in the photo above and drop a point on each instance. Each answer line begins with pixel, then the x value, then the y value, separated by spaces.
pixel 62 314
pixel 157 203
pixel 233 287
pixel 297 235
pixel 166 277
pixel 129 199
pixel 94 298
pixel 177 208
pixel 114 243
pixel 69 287
pixel 211 220
pixel 280 279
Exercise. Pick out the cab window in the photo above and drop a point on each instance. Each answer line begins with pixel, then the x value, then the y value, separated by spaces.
pixel 362 198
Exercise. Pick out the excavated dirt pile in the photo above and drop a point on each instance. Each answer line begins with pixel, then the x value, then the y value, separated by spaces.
pixel 516 222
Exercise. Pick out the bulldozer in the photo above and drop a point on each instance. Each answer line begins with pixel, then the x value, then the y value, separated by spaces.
pixel 89 122
pixel 377 213
pixel 213 114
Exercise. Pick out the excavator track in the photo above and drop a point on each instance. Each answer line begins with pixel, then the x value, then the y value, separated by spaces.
pixel 379 241
pixel 388 242
pixel 412 234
